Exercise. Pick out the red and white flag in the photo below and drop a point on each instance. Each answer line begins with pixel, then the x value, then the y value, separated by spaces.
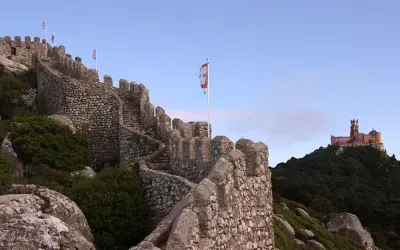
pixel 44 25
pixel 94 54
pixel 204 76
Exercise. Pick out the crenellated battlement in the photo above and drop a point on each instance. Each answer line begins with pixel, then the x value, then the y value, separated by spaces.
pixel 21 51
pixel 192 152
pixel 231 207
pixel 227 186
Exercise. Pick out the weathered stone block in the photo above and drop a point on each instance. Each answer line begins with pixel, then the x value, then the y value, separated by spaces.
pixel 176 123
pixel 220 145
pixel 186 130
pixel 203 150
pixel 123 85
pixel 108 81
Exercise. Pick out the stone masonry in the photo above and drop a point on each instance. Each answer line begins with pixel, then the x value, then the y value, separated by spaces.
pixel 202 193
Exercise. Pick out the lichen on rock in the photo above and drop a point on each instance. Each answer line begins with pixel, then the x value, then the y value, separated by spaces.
pixel 34 217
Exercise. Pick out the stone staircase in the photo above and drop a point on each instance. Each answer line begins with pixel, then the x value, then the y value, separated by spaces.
pixel 162 162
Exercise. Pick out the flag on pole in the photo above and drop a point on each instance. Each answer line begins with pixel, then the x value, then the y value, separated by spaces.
pixel 53 38
pixel 204 77
pixel 44 25
pixel 94 54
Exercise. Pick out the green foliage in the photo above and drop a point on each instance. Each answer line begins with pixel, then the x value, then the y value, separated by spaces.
pixel 331 241
pixel 42 140
pixel 282 241
pixel 114 208
pixel 6 176
pixel 363 181
pixel 12 88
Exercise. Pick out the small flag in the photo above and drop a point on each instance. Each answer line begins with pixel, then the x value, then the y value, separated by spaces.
pixel 44 25
pixel 204 76
pixel 94 54
pixel 53 38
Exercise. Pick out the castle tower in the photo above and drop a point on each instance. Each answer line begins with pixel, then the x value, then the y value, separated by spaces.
pixel 353 130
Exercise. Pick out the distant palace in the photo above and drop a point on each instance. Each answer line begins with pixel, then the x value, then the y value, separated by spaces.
pixel 356 138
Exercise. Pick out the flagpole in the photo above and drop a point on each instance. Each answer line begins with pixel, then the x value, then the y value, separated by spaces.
pixel 96 62
pixel 45 30
pixel 208 98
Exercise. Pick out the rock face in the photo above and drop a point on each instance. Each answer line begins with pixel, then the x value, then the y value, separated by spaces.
pixel 33 217
pixel 285 225
pixel 315 244
pixel 349 226
pixel 64 120
pixel 7 151
pixel 12 66
pixel 88 172
pixel 300 212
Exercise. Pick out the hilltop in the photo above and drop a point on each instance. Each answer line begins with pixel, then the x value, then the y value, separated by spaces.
pixel 364 181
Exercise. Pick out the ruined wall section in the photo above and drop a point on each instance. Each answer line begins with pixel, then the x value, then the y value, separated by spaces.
pixel 162 191
pixel 21 51
pixel 232 207
pixel 191 150
pixel 91 107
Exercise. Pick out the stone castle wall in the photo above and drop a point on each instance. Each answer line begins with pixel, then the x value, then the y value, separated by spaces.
pixel 162 191
pixel 90 107
pixel 212 197
pixel 190 150
pixel 67 87
pixel 21 50
pixel 229 209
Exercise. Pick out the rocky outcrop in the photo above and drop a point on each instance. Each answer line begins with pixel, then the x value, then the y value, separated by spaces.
pixel 306 234
pixel 285 225
pixel 349 225
pixel 315 245
pixel 7 151
pixel 65 121
pixel 300 212
pixel 34 217
pixel 12 66
pixel 87 172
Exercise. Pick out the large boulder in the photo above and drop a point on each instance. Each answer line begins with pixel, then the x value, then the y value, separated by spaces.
pixel 7 151
pixel 301 212
pixel 87 172
pixel 34 217
pixel 12 66
pixel 64 120
pixel 349 225
pixel 285 225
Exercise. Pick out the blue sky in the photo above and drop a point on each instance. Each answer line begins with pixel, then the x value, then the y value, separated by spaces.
pixel 288 73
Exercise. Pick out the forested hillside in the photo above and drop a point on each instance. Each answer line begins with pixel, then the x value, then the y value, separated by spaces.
pixel 362 180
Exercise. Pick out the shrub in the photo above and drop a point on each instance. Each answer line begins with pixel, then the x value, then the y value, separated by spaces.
pixel 41 140
pixel 12 87
pixel 114 208
pixel 6 176
pixel 282 241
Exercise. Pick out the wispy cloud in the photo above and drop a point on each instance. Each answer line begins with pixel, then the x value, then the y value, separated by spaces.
pixel 293 109
pixel 283 124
